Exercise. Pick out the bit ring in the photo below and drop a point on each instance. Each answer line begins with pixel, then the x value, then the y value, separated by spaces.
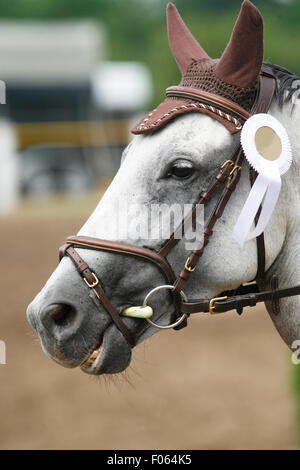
pixel 165 327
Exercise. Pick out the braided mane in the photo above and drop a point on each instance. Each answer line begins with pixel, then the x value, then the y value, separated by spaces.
pixel 285 79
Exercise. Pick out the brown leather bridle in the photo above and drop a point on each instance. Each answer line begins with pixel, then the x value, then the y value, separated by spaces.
pixel 226 180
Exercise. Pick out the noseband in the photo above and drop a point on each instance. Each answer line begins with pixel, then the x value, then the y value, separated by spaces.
pixel 225 182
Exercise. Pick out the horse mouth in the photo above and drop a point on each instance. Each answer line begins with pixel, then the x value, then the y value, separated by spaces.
pixel 95 352
pixel 110 353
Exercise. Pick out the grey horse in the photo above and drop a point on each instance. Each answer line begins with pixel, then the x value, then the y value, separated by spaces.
pixel 168 167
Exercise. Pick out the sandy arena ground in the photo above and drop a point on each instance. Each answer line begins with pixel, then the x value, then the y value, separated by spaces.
pixel 222 383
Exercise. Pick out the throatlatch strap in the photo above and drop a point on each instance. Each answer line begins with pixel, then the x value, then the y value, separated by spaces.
pixel 266 93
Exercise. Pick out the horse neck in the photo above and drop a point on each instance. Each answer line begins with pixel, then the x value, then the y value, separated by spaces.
pixel 286 265
pixel 288 214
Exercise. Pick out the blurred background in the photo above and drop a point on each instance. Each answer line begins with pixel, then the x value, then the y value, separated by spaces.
pixel 75 76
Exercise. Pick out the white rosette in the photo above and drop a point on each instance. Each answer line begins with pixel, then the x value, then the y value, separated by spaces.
pixel 267 149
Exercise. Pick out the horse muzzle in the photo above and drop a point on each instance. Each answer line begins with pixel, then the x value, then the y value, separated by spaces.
pixel 74 338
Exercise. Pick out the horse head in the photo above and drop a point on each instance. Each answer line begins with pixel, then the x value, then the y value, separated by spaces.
pixel 176 154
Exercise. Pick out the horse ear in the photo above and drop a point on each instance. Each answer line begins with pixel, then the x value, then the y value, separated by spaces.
pixel 242 59
pixel 184 46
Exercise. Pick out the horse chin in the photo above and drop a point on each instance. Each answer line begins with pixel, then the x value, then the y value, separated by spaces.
pixel 113 354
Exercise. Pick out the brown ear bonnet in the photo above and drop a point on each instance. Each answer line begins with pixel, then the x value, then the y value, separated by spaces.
pixel 233 77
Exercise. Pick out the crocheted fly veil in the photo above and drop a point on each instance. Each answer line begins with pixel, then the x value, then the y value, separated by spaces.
pixel 234 76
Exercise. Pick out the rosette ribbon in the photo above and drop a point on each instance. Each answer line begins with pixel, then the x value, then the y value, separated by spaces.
pixel 267 149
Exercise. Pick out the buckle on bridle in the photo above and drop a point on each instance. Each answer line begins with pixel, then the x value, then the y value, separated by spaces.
pixel 228 162
pixel 94 284
pixel 235 168
pixel 212 304
pixel 187 267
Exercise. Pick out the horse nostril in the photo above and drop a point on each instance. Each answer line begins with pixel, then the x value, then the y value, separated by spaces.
pixel 62 314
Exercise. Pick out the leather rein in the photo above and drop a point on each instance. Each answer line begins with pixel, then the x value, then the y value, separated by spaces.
pixel 225 182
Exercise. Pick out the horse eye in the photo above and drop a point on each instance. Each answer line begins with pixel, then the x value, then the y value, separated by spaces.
pixel 182 169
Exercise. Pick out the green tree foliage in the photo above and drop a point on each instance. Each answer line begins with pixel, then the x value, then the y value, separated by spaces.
pixel 137 31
